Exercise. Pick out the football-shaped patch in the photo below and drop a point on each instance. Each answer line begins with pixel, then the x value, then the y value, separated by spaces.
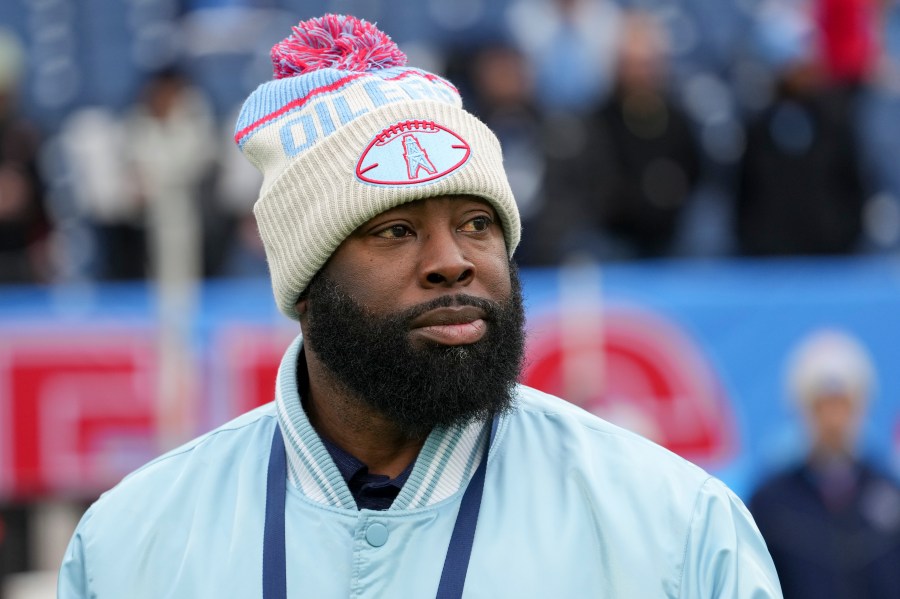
pixel 412 152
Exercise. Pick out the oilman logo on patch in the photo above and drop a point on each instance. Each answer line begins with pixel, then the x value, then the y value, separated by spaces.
pixel 412 152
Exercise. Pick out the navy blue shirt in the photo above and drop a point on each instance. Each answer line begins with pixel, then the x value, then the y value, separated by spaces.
pixel 371 491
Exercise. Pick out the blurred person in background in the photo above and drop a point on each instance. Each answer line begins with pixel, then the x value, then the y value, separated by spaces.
pixel 171 151
pixel 800 188
pixel 570 49
pixel 832 522
pixel 24 223
pixel 570 45
pixel 639 165
pixel 94 145
pixel 398 426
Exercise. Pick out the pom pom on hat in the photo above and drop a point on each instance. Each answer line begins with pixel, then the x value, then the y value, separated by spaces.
pixel 338 42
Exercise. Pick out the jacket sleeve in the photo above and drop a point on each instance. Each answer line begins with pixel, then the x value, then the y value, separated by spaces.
pixel 725 555
pixel 73 581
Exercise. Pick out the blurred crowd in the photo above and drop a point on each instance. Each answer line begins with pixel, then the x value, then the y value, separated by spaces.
pixel 631 130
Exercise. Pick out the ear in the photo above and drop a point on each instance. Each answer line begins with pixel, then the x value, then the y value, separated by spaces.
pixel 301 306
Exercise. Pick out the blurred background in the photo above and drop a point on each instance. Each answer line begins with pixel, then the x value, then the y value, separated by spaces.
pixel 703 183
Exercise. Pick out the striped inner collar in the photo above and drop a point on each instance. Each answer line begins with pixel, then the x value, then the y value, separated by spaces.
pixel 444 466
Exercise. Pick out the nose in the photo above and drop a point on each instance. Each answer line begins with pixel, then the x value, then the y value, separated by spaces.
pixel 443 263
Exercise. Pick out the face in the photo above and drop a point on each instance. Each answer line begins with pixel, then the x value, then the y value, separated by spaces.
pixel 833 420
pixel 642 55
pixel 421 251
pixel 419 314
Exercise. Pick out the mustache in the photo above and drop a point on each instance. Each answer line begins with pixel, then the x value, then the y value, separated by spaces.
pixel 489 307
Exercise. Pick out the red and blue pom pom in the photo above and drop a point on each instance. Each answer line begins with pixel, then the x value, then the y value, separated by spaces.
pixel 338 42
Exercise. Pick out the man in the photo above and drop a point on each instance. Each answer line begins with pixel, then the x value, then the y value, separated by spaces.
pixel 632 183
pixel 832 522
pixel 397 425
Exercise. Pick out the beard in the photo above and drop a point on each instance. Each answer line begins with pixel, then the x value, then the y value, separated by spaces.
pixel 418 387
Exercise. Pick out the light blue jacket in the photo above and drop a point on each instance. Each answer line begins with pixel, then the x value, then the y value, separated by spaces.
pixel 573 507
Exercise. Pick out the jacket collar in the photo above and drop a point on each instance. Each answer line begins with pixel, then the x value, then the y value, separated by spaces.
pixel 444 466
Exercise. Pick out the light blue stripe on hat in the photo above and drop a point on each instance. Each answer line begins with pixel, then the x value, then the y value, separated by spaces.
pixel 281 97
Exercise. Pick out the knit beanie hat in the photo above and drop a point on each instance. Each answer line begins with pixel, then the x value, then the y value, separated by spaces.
pixel 345 132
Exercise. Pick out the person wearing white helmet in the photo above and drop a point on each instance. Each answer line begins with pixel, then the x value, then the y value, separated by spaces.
pixel 832 522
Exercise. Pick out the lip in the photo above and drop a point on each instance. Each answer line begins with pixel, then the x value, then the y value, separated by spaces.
pixel 454 325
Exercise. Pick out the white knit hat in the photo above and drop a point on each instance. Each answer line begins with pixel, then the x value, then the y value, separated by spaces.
pixel 346 132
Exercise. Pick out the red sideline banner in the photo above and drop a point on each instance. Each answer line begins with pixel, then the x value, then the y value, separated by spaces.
pixel 80 409
pixel 77 409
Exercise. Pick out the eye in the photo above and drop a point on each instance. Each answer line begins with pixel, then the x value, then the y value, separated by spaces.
pixel 394 232
pixel 477 224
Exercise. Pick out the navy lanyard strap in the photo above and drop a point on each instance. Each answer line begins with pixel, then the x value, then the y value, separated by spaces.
pixel 274 578
pixel 453 577
pixel 456 564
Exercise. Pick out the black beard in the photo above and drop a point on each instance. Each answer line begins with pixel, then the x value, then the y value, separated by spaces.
pixel 418 387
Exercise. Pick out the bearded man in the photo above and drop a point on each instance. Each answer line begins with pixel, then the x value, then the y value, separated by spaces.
pixel 400 458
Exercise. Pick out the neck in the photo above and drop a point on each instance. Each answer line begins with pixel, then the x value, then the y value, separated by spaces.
pixel 342 417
